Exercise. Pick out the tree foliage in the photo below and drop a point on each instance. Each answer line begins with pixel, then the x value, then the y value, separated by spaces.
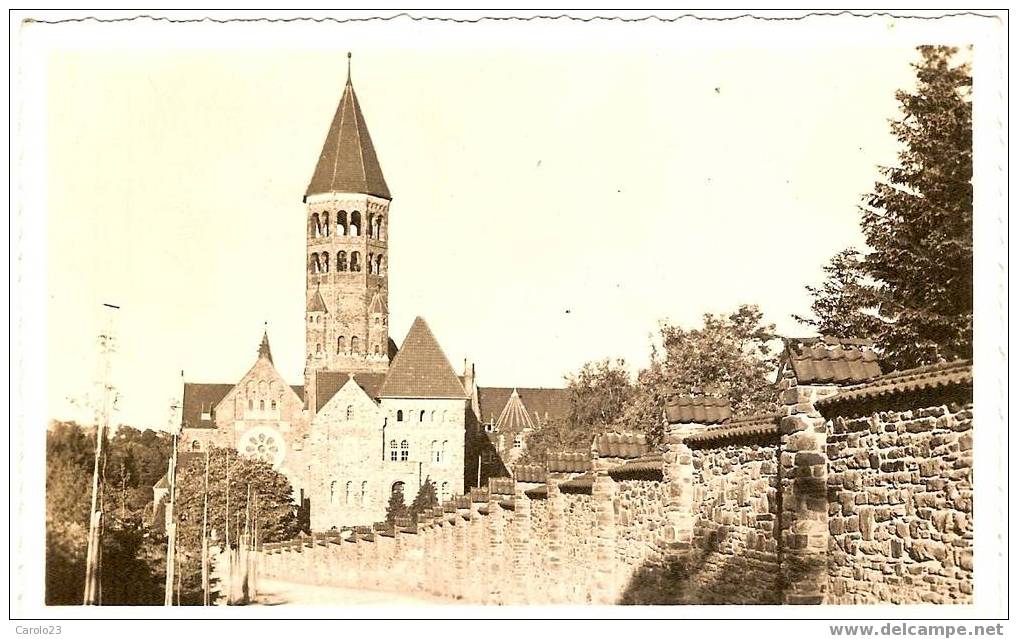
pixel 396 507
pixel 912 290
pixel 427 497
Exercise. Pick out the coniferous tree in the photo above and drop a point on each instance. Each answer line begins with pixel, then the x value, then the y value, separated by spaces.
pixel 427 497
pixel 918 228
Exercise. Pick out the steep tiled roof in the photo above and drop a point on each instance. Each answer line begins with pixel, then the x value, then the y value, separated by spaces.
pixel 652 463
pixel 830 360
pixel 328 383
pixel 683 409
pixel 202 398
pixel 542 404
pixel 421 369
pixel 752 425
pixel 958 373
pixel 624 446
pixel 317 304
pixel 348 163
pixel 531 473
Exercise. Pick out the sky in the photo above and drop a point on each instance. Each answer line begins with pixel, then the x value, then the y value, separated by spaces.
pixel 551 205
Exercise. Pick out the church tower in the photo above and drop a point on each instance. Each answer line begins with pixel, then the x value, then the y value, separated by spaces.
pixel 347 208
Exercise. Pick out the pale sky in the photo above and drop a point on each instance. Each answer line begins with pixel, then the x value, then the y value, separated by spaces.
pixel 550 206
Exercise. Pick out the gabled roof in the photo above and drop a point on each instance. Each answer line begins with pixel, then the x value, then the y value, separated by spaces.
pixel 348 163
pixel 832 360
pixel 542 404
pixel 328 383
pixel 421 369
pixel 203 398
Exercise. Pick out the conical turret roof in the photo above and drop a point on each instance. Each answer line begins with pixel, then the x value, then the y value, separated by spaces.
pixel 348 163
pixel 263 348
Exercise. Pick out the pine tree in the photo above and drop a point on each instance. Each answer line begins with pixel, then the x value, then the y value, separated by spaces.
pixel 396 507
pixel 427 497
pixel 918 227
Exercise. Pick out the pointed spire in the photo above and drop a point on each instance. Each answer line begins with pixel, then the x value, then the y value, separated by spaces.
pixel 263 348
pixel 318 302
pixel 348 163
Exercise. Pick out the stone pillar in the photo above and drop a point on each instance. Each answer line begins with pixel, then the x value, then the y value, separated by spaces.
pixel 459 550
pixel 558 576
pixel 604 590
pixel 521 556
pixel 804 524
pixel 677 471
pixel 495 560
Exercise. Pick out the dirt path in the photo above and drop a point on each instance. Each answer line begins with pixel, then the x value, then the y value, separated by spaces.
pixel 275 593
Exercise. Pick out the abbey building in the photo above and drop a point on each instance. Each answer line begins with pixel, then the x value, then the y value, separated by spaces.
pixel 372 418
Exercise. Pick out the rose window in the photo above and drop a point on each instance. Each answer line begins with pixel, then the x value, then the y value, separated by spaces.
pixel 263 444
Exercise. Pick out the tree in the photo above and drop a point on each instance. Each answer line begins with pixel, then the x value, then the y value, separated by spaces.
pixel 845 304
pixel 427 497
pixel 396 506
pixel 918 227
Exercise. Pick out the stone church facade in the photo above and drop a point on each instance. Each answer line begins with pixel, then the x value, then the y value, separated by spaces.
pixel 371 418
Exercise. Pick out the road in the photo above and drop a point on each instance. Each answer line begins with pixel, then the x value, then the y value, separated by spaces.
pixel 275 593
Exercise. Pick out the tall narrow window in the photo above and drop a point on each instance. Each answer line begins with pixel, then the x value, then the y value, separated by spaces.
pixel 443 495
pixel 349 492
pixel 435 457
pixel 316 226
pixel 399 416
pixel 332 492
pixel 364 493
pixel 325 262
pixel 341 223
pixel 370 225
pixel 378 265
pixel 341 261
pixel 355 262
pixel 377 349
pixel 355 224
pixel 404 450
pixel 421 419
pixel 340 344
pixel 392 450
pixel 261 405
pixel 433 415
pixel 273 405
pixel 250 404
pixel 325 224
pixel 371 263
pixel 442 458
pixel 378 227
pixel 355 345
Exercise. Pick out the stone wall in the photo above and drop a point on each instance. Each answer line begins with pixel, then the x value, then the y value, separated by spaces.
pixel 848 495
pixel 900 487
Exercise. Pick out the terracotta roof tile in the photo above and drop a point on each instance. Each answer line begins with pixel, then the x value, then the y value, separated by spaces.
pixel 752 425
pixel 683 409
pixel 532 473
pixel 625 446
pixel 957 373
pixel 328 383
pixel 348 163
pixel 201 399
pixel 651 463
pixel 832 360
pixel 568 462
pixel 579 484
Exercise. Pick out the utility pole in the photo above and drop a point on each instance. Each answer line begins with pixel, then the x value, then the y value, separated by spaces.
pixel 93 557
pixel 205 536
pixel 171 517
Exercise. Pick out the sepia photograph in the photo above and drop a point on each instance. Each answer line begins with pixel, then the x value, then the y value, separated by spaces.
pixel 561 315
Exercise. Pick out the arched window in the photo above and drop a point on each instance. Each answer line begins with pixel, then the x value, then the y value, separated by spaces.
pixel 404 450
pixel 349 412
pixel 340 344
pixel 341 262
pixel 349 492
pixel 196 445
pixel 398 488
pixel 273 404
pixel 355 345
pixel 399 416
pixel 377 349
pixel 316 226
pixel 341 223
pixel 433 415
pixel 332 492
pixel 318 348
pixel 250 404
pixel 325 262
pixel 444 444
pixel 444 415
pixel 371 225
pixel 371 264
pixel 325 224
pixel 355 262
pixel 443 494
pixel 355 224
pixel 364 493
pixel 378 265
pixel 261 405
pixel 378 227
pixel 421 419
pixel 316 267
pixel 435 457
pixel 392 450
